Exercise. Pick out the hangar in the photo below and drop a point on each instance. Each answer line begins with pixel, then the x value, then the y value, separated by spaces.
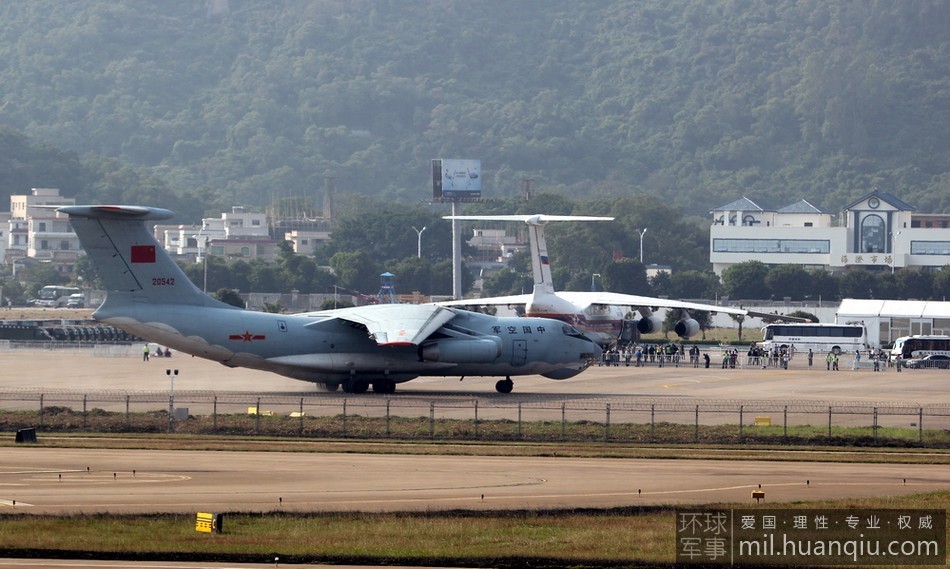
pixel 887 320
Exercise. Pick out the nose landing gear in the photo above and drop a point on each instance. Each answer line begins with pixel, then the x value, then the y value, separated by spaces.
pixel 504 385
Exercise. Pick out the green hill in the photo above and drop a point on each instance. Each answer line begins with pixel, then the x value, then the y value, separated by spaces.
pixel 242 101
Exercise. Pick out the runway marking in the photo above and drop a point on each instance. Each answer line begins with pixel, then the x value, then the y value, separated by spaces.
pixel 10 503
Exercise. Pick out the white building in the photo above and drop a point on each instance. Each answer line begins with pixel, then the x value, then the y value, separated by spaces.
pixel 305 241
pixel 878 231
pixel 887 320
pixel 191 240
pixel 39 232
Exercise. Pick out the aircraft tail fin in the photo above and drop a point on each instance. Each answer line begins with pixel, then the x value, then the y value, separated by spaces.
pixel 130 261
pixel 540 264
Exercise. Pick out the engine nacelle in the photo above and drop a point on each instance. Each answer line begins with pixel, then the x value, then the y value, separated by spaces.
pixel 686 328
pixel 649 324
pixel 461 351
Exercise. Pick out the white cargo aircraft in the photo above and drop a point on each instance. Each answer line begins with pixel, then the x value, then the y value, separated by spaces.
pixel 599 315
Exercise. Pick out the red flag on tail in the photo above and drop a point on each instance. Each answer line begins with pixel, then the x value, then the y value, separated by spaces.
pixel 143 253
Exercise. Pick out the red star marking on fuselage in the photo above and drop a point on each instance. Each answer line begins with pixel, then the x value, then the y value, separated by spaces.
pixel 247 337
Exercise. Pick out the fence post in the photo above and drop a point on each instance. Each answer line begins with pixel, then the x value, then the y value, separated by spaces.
pixel 214 415
pixel 696 431
pixel 476 419
pixel 432 419
pixel 563 421
pixel 84 412
pixel 652 422
pixel 920 424
pixel 741 409
pixel 128 416
pixel 300 427
pixel 519 420
pixel 388 423
pixel 874 424
pixel 607 425
pixel 829 421
pixel 41 411
pixel 344 416
pixel 785 424
pixel 257 417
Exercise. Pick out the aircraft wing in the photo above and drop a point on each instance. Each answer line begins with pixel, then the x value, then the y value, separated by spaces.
pixel 583 299
pixel 393 324
pixel 491 301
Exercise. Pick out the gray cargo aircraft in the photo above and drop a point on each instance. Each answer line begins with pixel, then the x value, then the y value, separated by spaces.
pixel 149 295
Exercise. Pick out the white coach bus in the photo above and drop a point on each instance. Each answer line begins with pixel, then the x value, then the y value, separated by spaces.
pixel 835 338
pixel 909 347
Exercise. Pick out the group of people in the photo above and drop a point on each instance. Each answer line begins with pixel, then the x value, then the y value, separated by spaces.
pixel 159 353
pixel 878 358
pixel 659 354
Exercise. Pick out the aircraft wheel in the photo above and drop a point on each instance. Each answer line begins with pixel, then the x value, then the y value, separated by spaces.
pixel 330 386
pixel 504 385
pixel 355 386
pixel 384 386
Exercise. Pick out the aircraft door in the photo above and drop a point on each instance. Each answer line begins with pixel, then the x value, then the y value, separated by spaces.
pixel 519 352
pixel 628 333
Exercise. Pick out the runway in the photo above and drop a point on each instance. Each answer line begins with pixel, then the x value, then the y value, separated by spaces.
pixel 63 481
pixel 51 480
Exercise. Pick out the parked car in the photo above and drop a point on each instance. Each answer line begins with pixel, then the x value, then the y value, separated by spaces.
pixel 938 361
pixel 76 301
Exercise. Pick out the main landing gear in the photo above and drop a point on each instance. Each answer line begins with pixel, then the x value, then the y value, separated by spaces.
pixel 356 386
pixel 504 385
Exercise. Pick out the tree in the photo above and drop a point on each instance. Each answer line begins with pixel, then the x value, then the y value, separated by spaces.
pixel 626 276
pixel 802 314
pixel 746 280
pixel 941 283
pixel 694 284
pixel 914 284
pixel 788 280
pixel 857 283
pixel 230 296
pixel 356 270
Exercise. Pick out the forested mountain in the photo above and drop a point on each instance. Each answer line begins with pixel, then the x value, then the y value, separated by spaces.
pixel 228 102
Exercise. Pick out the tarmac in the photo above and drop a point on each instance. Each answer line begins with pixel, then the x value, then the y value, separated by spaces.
pixel 42 479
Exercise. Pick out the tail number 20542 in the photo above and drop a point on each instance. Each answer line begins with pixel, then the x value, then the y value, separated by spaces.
pixel 163 281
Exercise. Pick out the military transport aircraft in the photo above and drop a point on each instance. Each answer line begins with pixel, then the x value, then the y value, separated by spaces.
pixel 599 315
pixel 381 345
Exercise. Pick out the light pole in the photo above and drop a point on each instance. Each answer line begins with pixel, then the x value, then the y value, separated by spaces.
pixel 419 240
pixel 642 233
pixel 894 250
pixel 592 287
pixel 171 373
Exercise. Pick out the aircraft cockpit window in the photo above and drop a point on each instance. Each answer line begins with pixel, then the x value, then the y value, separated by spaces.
pixel 571 331
pixel 598 310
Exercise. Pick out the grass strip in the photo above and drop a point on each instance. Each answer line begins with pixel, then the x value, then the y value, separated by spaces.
pixel 539 538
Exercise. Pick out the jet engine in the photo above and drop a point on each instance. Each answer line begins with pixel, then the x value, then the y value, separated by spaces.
pixel 461 350
pixel 686 327
pixel 649 324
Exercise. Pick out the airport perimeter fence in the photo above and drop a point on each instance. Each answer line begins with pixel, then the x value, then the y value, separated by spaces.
pixel 463 418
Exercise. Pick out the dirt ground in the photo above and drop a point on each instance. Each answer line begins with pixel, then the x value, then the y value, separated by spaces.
pixel 35 313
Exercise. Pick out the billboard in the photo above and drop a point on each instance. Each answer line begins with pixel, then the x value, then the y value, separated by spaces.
pixel 456 179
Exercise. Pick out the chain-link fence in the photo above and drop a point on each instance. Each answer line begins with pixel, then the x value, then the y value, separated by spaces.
pixel 514 418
